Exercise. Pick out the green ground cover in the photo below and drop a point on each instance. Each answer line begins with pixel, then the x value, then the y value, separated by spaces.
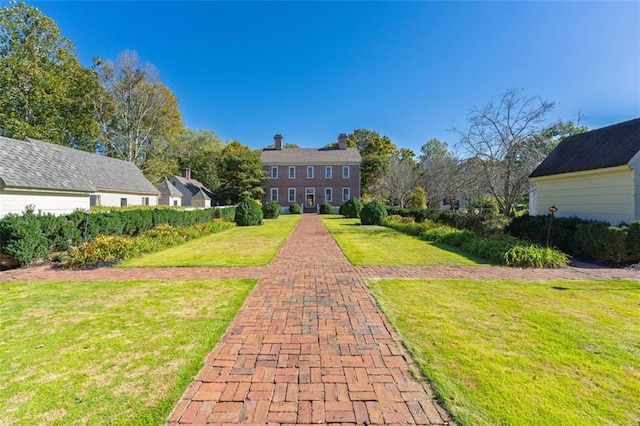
pixel 116 353
pixel 522 353
pixel 377 245
pixel 239 246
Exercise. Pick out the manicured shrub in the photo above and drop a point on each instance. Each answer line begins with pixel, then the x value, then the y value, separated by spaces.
pixel 248 212
pixel 295 208
pixel 326 208
pixel 271 209
pixel 374 213
pixel 22 238
pixel 603 242
pixel 351 208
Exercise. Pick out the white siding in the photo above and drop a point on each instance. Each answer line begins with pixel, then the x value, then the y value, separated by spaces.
pixel 112 199
pixel 605 194
pixel 635 164
pixel 57 203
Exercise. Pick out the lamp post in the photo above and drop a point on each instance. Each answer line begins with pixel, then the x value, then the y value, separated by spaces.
pixel 552 211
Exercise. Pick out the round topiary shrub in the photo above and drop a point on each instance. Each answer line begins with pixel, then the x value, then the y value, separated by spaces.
pixel 326 208
pixel 295 208
pixel 351 208
pixel 373 213
pixel 248 212
pixel 271 210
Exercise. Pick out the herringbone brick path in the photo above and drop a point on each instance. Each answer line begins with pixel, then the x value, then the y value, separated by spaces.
pixel 309 346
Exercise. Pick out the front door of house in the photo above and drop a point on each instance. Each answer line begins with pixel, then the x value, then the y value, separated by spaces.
pixel 310 195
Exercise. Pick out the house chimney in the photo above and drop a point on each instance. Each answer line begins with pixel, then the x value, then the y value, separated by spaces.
pixel 342 141
pixel 186 173
pixel 278 141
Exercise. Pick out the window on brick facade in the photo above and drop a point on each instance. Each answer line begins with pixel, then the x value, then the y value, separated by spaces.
pixel 292 195
pixel 346 194
pixel 292 172
pixel 328 172
pixel 328 195
pixel 309 172
pixel 345 172
pixel 274 194
pixel 274 172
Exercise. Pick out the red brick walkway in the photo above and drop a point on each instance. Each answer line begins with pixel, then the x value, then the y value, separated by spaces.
pixel 310 344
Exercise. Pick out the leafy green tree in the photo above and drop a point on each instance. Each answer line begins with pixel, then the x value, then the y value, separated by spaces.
pixel 418 198
pixel 239 170
pixel 138 114
pixel 376 151
pixel 45 93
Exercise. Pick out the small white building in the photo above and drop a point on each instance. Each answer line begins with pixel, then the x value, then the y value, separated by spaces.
pixel 169 194
pixel 194 193
pixel 593 175
pixel 56 179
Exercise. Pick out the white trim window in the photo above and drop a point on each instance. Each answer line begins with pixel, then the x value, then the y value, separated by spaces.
pixel 292 195
pixel 346 194
pixel 309 172
pixel 292 172
pixel 345 172
pixel 145 201
pixel 309 197
pixel 328 172
pixel 328 195
pixel 274 172
pixel 274 194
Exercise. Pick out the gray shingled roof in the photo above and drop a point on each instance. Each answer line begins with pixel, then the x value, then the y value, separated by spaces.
pixel 310 156
pixel 609 146
pixel 166 187
pixel 194 186
pixel 36 164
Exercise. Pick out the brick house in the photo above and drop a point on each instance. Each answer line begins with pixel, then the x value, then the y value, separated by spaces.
pixel 311 176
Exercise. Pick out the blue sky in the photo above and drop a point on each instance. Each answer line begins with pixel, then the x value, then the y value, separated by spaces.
pixel 409 70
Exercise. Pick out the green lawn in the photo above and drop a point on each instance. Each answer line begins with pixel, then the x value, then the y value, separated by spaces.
pixel 238 246
pixel 522 353
pixel 377 245
pixel 107 352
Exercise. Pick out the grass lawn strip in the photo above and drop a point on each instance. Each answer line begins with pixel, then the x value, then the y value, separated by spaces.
pixel 380 246
pixel 107 352
pixel 521 353
pixel 238 246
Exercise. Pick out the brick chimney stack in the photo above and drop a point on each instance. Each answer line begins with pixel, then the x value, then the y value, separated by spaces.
pixel 186 173
pixel 342 141
pixel 277 139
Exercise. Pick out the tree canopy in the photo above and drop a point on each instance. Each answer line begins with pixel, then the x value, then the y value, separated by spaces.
pixel 45 93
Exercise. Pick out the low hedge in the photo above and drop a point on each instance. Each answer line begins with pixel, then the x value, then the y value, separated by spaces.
pixel 271 210
pixel 351 208
pixel 326 208
pixel 596 240
pixel 295 208
pixel 504 249
pixel 30 236
pixel 485 224
pixel 113 248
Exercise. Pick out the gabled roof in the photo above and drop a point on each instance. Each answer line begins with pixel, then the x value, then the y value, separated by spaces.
pixel 194 186
pixel 35 164
pixel 609 146
pixel 166 187
pixel 310 156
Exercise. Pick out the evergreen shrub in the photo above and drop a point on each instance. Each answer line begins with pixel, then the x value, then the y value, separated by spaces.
pixel 326 208
pixel 295 208
pixel 351 208
pixel 248 212
pixel 374 213
pixel 271 210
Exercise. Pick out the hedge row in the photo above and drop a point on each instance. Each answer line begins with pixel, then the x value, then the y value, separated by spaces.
pixel 31 236
pixel 485 224
pixel 112 248
pixel 503 249
pixel 596 240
